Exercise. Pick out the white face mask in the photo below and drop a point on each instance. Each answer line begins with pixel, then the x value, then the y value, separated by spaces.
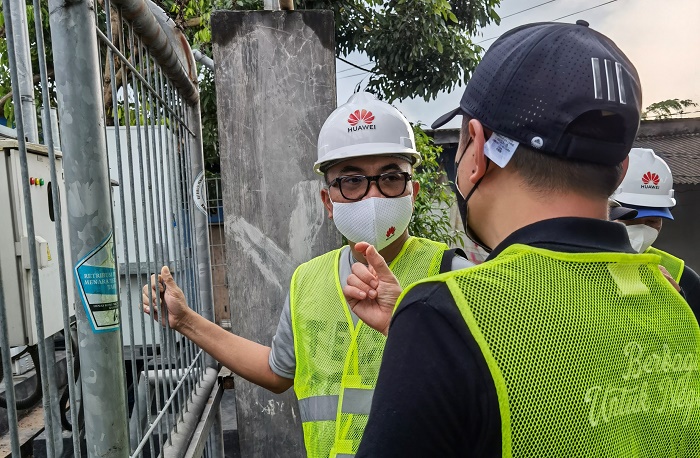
pixel 641 236
pixel 377 220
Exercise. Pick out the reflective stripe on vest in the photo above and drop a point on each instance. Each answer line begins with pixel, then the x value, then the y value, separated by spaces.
pixel 324 408
pixel 357 401
pixel 318 408
pixel 336 359
pixel 591 354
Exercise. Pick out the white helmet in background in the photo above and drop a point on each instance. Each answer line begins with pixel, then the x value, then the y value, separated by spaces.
pixel 648 182
pixel 364 126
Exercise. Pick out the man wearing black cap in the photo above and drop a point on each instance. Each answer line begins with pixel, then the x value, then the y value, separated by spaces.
pixel 566 342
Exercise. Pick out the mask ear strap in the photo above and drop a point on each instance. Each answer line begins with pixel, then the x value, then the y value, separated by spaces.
pixel 470 234
pixel 478 182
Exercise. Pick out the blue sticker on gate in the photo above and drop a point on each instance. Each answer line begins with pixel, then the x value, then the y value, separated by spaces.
pixel 96 278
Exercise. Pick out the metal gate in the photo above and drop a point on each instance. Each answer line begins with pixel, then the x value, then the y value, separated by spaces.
pixel 121 200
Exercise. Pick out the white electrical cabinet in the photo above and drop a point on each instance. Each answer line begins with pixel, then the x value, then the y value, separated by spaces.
pixel 161 169
pixel 14 243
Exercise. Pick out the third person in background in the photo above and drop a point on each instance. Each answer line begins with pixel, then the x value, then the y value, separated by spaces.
pixel 648 188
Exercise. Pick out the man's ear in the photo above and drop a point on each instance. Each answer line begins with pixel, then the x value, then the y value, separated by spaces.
pixel 478 159
pixel 326 198
pixel 416 188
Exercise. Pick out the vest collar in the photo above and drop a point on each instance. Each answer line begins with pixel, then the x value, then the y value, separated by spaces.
pixel 570 235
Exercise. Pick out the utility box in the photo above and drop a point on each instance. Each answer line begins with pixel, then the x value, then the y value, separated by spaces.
pixel 14 243
pixel 153 152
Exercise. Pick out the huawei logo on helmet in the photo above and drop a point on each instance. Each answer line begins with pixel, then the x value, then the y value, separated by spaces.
pixel 364 116
pixel 650 177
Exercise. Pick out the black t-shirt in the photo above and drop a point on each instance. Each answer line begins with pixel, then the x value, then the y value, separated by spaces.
pixel 435 396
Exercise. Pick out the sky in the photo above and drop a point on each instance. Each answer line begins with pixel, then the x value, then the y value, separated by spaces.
pixel 661 38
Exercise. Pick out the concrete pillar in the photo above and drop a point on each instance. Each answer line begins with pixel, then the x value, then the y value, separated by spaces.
pixel 275 80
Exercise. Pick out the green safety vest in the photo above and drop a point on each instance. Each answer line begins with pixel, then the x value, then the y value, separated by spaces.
pixel 337 363
pixel 673 264
pixel 591 354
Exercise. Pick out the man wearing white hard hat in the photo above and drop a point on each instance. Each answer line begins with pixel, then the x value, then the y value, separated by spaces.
pixel 648 189
pixel 366 153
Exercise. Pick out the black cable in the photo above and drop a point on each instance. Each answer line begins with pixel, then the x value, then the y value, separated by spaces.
pixel 527 9
pixel 355 65
pixel 348 69
pixel 553 20
pixel 350 76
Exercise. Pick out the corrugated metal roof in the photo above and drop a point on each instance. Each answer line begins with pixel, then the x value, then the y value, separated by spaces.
pixel 680 151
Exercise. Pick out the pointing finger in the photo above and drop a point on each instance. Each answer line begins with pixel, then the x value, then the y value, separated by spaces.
pixel 377 262
pixel 361 247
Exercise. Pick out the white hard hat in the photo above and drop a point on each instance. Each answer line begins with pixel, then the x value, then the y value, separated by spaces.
pixel 648 182
pixel 364 126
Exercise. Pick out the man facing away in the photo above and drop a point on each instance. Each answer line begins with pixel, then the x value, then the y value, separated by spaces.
pixel 565 342
pixel 648 189
pixel 366 152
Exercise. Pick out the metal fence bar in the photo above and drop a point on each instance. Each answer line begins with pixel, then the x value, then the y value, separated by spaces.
pixel 159 46
pixel 36 291
pixel 158 247
pixel 150 148
pixel 201 220
pixel 182 218
pixel 182 401
pixel 153 87
pixel 7 370
pixel 76 67
pixel 140 144
pixel 122 198
pixel 163 412
pixel 136 239
pixel 160 192
pixel 58 226
pixel 101 36
pixel 194 245
pixel 25 78
pixel 189 178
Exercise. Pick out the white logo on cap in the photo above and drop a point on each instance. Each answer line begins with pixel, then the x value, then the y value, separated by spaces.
pixel 537 142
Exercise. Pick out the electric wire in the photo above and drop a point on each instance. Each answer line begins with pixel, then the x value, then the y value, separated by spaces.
pixel 559 18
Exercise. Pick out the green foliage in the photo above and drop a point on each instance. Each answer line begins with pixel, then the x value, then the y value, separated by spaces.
pixel 210 127
pixel 418 47
pixel 668 108
pixel 7 107
pixel 431 213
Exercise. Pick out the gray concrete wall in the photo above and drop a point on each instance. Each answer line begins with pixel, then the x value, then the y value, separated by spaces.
pixel 680 236
pixel 275 81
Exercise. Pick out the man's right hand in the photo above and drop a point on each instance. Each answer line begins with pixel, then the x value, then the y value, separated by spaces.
pixel 670 279
pixel 170 294
pixel 372 290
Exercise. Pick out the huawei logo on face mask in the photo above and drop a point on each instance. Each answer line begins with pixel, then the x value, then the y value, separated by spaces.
pixel 390 232
pixel 650 180
pixel 361 120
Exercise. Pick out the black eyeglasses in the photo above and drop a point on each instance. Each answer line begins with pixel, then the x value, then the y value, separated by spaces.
pixel 355 187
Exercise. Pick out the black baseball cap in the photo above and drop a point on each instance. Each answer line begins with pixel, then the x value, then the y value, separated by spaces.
pixel 618 212
pixel 538 78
